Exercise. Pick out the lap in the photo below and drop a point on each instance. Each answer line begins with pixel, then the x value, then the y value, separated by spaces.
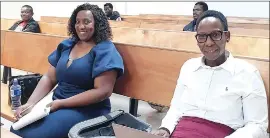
pixel 57 124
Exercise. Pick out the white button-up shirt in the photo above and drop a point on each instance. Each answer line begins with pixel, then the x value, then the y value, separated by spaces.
pixel 232 94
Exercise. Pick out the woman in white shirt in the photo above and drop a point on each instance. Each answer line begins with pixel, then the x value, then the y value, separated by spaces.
pixel 216 95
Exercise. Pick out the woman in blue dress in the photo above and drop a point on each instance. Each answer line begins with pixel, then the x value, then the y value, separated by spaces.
pixel 85 67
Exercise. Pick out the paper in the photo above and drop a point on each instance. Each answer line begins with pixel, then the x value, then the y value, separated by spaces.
pixel 38 112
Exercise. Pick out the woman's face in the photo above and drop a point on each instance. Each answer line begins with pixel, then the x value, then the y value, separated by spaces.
pixel 211 38
pixel 85 25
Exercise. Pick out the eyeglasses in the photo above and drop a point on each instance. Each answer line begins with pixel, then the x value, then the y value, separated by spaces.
pixel 215 36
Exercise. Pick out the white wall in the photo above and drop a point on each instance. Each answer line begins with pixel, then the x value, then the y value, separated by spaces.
pixel 64 9
pixel 242 9
pixel 60 9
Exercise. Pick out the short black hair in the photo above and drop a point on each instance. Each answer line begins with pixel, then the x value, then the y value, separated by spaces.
pixel 216 14
pixel 103 30
pixel 109 4
pixel 203 4
pixel 29 7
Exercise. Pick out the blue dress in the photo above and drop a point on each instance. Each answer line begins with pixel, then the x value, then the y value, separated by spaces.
pixel 72 80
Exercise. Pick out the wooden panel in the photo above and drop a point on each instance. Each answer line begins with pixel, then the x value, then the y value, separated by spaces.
pixel 239 27
pixel 124 24
pixel 230 18
pixel 31 47
pixel 233 22
pixel 135 19
pixel 249 32
pixel 64 20
pixel 156 75
pixel 161 26
pixel 239 45
pixel 3 35
pixel 249 26
pixel 147 70
pixel 7 23
pixel 61 28
pixel 246 22
pixel 54 28
pixel 54 19
pixel 179 27
pixel 143 64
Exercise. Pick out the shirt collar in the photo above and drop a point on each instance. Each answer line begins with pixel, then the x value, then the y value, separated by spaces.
pixel 227 65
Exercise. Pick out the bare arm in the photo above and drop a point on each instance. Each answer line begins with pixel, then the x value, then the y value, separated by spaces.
pixel 45 85
pixel 103 88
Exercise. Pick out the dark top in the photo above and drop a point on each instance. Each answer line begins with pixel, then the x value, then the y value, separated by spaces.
pixel 114 15
pixel 79 76
pixel 31 26
pixel 191 26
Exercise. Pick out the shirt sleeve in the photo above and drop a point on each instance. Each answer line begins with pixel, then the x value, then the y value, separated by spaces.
pixel 174 113
pixel 106 58
pixel 255 110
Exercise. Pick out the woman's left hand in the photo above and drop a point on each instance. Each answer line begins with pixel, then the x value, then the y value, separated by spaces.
pixel 55 105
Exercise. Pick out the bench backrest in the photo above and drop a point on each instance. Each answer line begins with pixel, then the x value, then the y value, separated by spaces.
pixel 239 45
pixel 169 24
pixel 43 45
pixel 7 23
pixel 257 20
pixel 60 28
pixel 239 22
pixel 147 70
pixel 234 22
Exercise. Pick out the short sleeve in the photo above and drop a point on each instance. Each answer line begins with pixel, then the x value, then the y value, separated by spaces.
pixel 55 55
pixel 106 58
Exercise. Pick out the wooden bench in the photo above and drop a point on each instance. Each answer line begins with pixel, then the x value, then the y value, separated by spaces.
pixel 147 70
pixel 191 17
pixel 171 25
pixel 59 28
pixel 233 22
pixel 239 45
pixel 255 20
pixel 7 23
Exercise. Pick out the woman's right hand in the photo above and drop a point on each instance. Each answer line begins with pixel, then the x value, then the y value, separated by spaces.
pixel 18 114
pixel 162 133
